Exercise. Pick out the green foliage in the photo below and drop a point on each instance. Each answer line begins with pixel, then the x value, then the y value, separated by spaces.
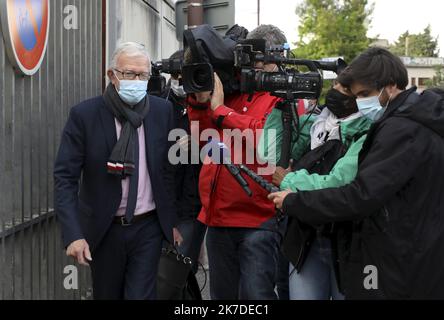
pixel 438 80
pixel 417 45
pixel 332 28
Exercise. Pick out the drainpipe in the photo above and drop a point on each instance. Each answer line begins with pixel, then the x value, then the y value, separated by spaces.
pixel 195 13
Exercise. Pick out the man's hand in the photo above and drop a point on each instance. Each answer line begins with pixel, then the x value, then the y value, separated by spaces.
pixel 218 97
pixel 177 237
pixel 79 250
pixel 281 173
pixel 185 143
pixel 278 198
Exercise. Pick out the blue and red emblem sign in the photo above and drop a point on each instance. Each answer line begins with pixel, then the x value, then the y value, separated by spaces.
pixel 25 26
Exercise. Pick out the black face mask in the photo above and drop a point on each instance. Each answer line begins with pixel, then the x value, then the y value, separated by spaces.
pixel 340 104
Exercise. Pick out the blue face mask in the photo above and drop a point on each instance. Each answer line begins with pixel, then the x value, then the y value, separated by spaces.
pixel 133 91
pixel 371 107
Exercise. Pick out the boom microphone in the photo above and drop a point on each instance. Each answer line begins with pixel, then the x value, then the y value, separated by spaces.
pixel 269 187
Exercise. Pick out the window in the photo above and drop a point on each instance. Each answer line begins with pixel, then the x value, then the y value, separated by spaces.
pixel 413 82
pixel 422 82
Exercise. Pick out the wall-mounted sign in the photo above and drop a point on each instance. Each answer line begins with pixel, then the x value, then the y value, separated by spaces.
pixel 25 25
pixel 422 62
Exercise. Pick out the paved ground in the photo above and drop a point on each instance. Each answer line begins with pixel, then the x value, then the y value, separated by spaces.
pixel 201 280
pixel 202 274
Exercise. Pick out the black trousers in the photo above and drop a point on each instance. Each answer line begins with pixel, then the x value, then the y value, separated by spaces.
pixel 243 263
pixel 125 264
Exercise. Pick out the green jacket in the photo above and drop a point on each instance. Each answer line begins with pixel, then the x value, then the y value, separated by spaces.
pixel 343 173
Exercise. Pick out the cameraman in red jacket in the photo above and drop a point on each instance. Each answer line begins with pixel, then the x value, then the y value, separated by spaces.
pixel 243 237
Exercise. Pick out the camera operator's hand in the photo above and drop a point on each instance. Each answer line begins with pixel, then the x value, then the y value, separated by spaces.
pixel 278 198
pixel 218 96
pixel 281 173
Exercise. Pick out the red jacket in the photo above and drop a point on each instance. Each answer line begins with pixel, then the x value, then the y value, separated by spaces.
pixel 224 203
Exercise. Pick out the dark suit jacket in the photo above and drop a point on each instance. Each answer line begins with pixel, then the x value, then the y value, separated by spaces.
pixel 86 196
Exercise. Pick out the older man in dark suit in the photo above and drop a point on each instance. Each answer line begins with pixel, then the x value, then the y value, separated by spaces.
pixel 113 196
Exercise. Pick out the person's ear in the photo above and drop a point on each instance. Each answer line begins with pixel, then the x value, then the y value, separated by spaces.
pixel 110 74
pixel 112 78
pixel 391 89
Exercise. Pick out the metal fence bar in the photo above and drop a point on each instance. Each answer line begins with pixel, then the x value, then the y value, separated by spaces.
pixel 3 263
pixel 2 169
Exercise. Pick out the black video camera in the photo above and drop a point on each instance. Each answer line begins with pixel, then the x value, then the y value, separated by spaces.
pixel 288 83
pixel 207 52
pixel 157 83
pixel 198 77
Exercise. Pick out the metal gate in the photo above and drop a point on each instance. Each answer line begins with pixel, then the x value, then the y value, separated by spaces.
pixel 33 111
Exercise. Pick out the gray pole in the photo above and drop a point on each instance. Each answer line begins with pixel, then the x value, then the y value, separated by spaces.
pixel 258 13
pixel 407 46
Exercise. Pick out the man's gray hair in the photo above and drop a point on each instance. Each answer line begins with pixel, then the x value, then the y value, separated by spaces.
pixel 272 35
pixel 131 49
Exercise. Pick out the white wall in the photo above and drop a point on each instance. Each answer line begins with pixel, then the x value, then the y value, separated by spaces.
pixel 420 72
pixel 150 22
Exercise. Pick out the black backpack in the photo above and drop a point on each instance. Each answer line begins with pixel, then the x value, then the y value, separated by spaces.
pixel 323 159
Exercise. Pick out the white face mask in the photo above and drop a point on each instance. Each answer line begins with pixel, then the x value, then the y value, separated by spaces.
pixel 371 107
pixel 178 89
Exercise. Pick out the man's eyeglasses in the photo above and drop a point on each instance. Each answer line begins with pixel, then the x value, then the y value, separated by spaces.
pixel 129 75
